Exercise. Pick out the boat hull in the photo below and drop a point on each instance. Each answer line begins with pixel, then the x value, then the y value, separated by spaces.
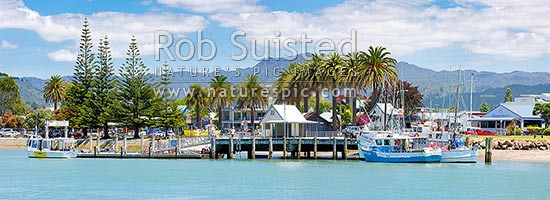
pixel 51 154
pixel 405 157
pixel 459 156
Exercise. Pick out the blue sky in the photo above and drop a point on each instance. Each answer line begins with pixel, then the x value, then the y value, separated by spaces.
pixel 39 38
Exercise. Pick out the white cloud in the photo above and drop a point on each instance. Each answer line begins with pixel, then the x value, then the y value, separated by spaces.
pixel 215 6
pixel 513 29
pixel 118 26
pixel 8 45
pixel 62 55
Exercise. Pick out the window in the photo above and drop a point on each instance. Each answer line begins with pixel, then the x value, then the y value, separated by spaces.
pixel 387 142
pixel 378 142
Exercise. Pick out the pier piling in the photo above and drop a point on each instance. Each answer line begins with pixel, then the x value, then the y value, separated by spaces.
pixel 345 151
pixel 90 142
pixel 253 151
pixel 213 151
pixel 125 145
pixel 230 153
pixel 284 147
pixel 270 156
pixel 299 148
pixel 488 150
pixel 334 152
pixel 315 148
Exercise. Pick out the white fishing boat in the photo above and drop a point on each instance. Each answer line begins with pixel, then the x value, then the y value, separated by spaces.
pixel 383 146
pixel 38 147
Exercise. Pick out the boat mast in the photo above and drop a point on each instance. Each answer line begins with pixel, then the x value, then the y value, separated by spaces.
pixel 457 100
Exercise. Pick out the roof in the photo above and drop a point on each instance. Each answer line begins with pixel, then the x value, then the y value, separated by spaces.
pixel 284 114
pixel 326 116
pixel 513 110
pixel 388 107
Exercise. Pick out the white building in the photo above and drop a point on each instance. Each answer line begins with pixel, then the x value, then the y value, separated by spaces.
pixel 284 121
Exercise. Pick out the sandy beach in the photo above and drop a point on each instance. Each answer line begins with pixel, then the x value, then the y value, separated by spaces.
pixel 518 155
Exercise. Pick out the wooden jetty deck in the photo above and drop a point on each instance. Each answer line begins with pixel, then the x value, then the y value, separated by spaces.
pixel 220 147
pixel 293 147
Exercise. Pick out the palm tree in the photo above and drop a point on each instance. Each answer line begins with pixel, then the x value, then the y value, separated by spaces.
pixel 55 90
pixel 331 71
pixel 250 96
pixel 352 64
pixel 379 67
pixel 197 99
pixel 221 95
pixel 291 82
pixel 313 77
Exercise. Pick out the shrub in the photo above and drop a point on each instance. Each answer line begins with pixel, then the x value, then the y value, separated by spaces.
pixel 546 131
pixel 534 129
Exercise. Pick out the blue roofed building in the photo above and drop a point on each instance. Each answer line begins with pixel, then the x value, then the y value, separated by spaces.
pixel 520 111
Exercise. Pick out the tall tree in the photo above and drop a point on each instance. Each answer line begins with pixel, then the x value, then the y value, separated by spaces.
pixel 104 91
pixel 251 96
pixel 136 89
pixel 351 66
pixel 484 107
pixel 220 95
pixel 331 71
pixel 411 99
pixel 196 98
pixel 508 97
pixel 10 99
pixel 380 70
pixel 79 94
pixel 55 90
pixel 543 109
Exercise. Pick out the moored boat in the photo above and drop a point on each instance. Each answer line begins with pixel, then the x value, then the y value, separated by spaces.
pixel 395 148
pixel 38 147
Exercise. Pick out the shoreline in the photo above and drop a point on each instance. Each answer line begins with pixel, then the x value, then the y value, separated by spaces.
pixel 498 155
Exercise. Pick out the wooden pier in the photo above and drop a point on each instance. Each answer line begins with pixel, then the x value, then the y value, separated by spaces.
pixel 295 147
pixel 228 147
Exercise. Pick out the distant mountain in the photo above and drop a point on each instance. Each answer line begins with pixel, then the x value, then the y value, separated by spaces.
pixel 442 83
pixel 439 86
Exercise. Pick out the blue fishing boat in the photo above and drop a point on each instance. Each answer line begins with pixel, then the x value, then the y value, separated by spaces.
pixel 384 146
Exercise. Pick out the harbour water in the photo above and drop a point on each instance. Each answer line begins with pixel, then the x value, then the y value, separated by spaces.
pixel 24 178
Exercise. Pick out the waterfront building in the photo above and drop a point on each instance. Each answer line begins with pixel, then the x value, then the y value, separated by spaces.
pixel 519 111
pixel 285 121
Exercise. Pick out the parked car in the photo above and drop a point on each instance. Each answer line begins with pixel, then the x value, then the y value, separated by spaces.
pixel 171 133
pixel 157 133
pixel 56 133
pixel 473 130
pixel 8 132
pixel 77 134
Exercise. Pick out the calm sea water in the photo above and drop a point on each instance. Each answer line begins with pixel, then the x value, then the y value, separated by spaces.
pixel 24 178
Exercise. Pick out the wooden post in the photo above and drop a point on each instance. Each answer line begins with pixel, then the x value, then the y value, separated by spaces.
pixel 230 153
pixel 95 151
pixel 345 151
pixel 299 148
pixel 270 156
pixel 142 144
pixel 467 142
pixel 116 143
pixel 315 148
pixel 253 151
pixel 121 152
pixel 213 148
pixel 125 145
pixel 488 150
pixel 334 152
pixel 284 147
